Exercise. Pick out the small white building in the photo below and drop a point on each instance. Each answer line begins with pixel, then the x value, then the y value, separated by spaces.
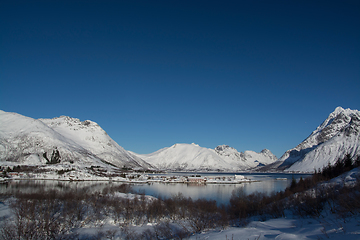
pixel 239 177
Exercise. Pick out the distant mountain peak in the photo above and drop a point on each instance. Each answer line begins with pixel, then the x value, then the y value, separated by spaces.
pixel 346 111
pixel 338 110
pixel 223 147
pixel 71 122
pixel 265 151
pixel 192 157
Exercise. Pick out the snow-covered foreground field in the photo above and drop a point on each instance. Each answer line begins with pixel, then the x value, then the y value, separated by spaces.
pixel 288 228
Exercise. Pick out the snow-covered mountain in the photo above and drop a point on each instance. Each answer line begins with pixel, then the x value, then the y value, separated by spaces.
pixel 192 157
pixel 92 137
pixel 245 160
pixel 28 141
pixel 337 136
pixel 186 157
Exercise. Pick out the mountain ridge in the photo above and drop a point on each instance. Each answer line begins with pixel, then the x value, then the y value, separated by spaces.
pixel 34 141
pixel 335 137
pixel 192 157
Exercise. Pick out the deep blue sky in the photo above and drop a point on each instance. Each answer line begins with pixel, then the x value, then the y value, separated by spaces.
pixel 249 74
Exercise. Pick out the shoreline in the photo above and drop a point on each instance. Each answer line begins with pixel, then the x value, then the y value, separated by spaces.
pixel 127 181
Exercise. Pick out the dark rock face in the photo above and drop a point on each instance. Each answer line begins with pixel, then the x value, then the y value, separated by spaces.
pixel 353 127
pixel 334 126
pixel 221 148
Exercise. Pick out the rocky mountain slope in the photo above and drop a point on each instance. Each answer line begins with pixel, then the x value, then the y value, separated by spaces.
pixel 192 157
pixel 336 137
pixel 245 160
pixel 64 140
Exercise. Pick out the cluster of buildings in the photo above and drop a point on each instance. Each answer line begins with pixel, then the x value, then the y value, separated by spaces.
pixel 195 179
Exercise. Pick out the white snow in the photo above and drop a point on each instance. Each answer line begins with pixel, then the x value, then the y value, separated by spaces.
pixel 288 228
pixel 337 136
pixel 192 157
pixel 93 138
pixel 186 157
pixel 328 152
pixel 246 160
pixel 23 141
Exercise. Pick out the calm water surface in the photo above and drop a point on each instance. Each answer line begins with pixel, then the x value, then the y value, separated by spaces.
pixel 268 183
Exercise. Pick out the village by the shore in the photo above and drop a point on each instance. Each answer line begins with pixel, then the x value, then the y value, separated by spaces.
pixel 130 177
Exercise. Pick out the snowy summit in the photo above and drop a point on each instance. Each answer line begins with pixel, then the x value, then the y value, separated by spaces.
pixel 336 137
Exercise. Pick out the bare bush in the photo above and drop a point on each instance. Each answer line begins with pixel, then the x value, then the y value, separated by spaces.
pixel 38 219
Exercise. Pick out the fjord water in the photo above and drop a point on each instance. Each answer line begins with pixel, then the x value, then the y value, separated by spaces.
pixel 262 182
pixel 265 183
